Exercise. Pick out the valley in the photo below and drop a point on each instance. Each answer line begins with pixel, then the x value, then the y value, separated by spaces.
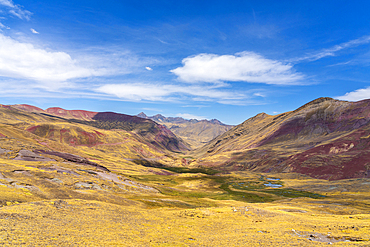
pixel 73 177
pixel 194 132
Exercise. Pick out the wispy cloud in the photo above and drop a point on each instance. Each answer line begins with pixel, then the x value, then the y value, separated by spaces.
pixel 260 31
pixel 190 116
pixel 34 31
pixel 148 68
pixel 356 95
pixel 16 9
pixel 152 109
pixel 341 64
pixel 332 51
pixel 7 3
pixel 168 92
pixel 245 66
pixel 3 26
pixel 259 94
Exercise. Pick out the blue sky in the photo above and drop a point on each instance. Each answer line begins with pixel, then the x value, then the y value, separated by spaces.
pixel 228 60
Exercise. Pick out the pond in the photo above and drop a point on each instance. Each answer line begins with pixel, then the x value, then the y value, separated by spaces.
pixel 273 185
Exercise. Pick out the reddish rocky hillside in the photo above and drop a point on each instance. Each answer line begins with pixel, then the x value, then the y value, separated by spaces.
pixel 71 114
pixel 60 112
pixel 325 138
pixel 146 129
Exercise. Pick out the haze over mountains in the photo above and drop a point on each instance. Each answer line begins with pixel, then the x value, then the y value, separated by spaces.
pixel 193 131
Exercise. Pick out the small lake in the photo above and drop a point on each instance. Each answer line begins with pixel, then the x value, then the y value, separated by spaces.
pixel 273 185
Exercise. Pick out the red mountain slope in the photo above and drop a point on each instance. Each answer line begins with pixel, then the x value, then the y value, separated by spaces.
pixel 71 114
pixel 146 129
pixel 28 108
pixel 325 138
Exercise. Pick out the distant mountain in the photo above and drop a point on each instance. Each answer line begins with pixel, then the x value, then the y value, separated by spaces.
pixel 149 130
pixel 72 114
pixel 28 108
pixel 195 132
pixel 325 138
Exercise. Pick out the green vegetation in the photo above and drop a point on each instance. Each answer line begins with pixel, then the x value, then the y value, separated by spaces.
pixel 146 163
pixel 220 188
pixel 293 193
pixel 207 171
pixel 187 157
pixel 290 193
pixel 272 186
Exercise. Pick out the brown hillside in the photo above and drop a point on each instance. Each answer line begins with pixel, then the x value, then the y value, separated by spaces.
pixel 282 142
pixel 146 129
pixel 34 131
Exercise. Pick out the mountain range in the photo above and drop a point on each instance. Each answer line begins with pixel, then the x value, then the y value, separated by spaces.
pixel 194 132
pixel 325 138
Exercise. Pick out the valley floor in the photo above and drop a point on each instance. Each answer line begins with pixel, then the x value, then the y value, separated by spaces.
pixel 91 223
pixel 65 204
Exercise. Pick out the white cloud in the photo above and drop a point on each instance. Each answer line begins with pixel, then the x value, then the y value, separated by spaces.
pixel 34 31
pixel 135 92
pixel 160 92
pixel 23 60
pixel 112 60
pixel 245 66
pixel 359 94
pixel 331 51
pixel 259 95
pixel 148 68
pixel 18 88
pixel 152 109
pixel 16 9
pixel 190 116
pixel 7 3
pixel 2 25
